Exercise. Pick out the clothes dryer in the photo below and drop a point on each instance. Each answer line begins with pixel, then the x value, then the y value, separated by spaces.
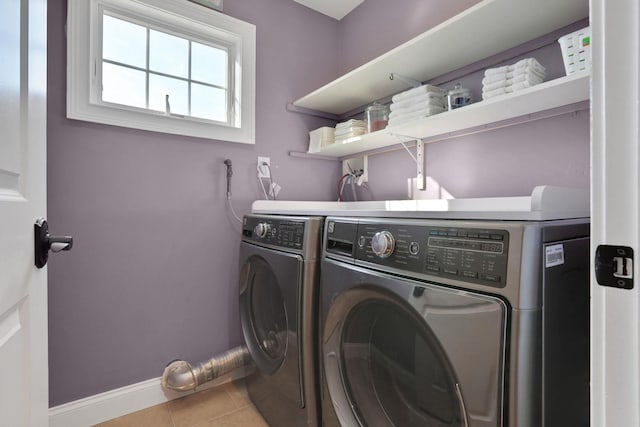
pixel 455 323
pixel 279 257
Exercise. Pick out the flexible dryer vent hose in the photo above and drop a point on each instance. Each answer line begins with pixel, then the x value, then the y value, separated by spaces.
pixel 180 375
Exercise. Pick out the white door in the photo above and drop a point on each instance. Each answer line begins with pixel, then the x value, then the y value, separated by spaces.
pixel 23 287
pixel 615 353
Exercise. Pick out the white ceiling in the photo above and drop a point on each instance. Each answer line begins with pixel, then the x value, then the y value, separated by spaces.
pixel 337 9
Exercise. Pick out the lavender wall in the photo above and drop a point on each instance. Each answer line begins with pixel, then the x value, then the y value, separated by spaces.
pixel 152 275
pixel 504 162
pixel 377 26
pixel 153 272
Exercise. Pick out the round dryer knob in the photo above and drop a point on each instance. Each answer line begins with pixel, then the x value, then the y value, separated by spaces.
pixel 262 229
pixel 383 243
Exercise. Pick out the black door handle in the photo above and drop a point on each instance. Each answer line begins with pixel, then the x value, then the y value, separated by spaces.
pixel 44 242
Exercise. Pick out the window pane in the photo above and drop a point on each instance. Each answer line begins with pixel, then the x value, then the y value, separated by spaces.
pixel 124 42
pixel 208 102
pixel 168 54
pixel 209 64
pixel 122 85
pixel 160 87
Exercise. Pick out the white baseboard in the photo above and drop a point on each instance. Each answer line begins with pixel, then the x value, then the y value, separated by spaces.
pixel 122 401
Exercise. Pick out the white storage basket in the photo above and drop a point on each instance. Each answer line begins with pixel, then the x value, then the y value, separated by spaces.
pixel 576 51
pixel 320 138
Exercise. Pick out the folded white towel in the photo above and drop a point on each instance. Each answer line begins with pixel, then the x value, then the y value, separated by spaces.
pixel 351 123
pixel 527 64
pixel 498 77
pixel 529 71
pixel 417 91
pixel 519 73
pixel 513 87
pixel 417 107
pixel 495 92
pixel 494 85
pixel 430 97
pixel 427 109
pixel 497 70
pixel 425 112
pixel 531 80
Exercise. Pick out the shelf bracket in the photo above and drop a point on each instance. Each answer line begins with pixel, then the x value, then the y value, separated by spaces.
pixel 420 172
pixel 292 108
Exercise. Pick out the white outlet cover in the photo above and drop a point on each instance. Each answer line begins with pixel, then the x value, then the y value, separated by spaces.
pixel 263 172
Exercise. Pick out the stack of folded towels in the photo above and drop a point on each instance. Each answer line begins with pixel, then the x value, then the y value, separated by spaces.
pixel 511 78
pixel 349 129
pixel 416 103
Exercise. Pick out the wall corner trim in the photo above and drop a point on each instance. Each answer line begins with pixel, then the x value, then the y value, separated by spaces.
pixel 116 403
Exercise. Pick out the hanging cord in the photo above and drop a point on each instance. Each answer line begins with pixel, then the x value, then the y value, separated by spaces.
pixel 352 178
pixel 341 186
pixel 271 186
pixel 227 163
pixel 272 190
pixel 353 187
pixel 233 212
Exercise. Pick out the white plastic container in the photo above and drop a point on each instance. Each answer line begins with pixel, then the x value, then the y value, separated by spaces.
pixel 576 51
pixel 320 137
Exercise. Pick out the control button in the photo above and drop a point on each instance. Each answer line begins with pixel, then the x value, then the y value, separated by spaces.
pixel 383 244
pixel 462 234
pixel 433 233
pixel 262 229
pixel 453 271
pixel 433 268
pixel 362 241
pixel 442 233
pixel 414 248
pixel 496 237
pixel 484 235
pixel 452 233
pixel 472 235
pixel 470 274
pixel 490 277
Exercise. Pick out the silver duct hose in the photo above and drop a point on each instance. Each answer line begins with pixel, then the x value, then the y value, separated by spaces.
pixel 180 375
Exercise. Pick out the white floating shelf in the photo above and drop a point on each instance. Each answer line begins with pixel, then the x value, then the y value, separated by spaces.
pixel 561 92
pixel 488 28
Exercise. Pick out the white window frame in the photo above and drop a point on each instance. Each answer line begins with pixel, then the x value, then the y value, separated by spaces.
pixel 84 59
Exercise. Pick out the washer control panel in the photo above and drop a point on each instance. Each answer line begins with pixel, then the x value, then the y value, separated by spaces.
pixel 470 254
pixel 273 231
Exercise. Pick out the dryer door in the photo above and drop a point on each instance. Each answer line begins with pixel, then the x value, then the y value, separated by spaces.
pixel 269 305
pixel 400 353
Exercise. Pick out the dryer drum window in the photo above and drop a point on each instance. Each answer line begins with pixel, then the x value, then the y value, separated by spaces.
pixel 267 313
pixel 395 370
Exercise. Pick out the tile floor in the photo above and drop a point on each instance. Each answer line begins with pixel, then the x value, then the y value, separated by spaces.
pixel 227 405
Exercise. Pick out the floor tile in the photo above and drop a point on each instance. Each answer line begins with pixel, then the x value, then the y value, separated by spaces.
pixel 238 393
pixel 156 416
pixel 197 409
pixel 246 417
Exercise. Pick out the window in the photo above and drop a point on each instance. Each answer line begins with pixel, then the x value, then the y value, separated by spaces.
pixel 163 65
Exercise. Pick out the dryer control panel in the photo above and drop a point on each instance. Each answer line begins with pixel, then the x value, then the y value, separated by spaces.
pixel 284 233
pixel 475 255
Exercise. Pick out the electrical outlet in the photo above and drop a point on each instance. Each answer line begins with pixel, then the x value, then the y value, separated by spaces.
pixel 264 171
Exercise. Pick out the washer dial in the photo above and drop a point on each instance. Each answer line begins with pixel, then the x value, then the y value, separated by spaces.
pixel 262 229
pixel 383 244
